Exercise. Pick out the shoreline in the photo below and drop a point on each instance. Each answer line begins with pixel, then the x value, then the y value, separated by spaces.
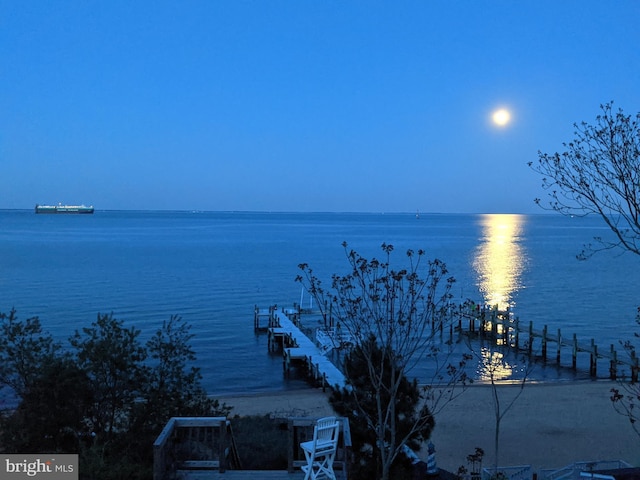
pixel 551 425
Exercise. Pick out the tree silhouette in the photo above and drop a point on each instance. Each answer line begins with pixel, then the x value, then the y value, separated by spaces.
pixel 598 173
pixel 395 317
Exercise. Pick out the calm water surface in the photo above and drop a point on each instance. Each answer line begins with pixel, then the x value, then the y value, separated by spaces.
pixel 213 268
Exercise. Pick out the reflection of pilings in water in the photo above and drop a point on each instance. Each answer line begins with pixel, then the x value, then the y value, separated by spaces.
pixel 505 329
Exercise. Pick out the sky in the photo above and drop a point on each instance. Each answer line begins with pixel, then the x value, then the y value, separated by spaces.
pixel 301 105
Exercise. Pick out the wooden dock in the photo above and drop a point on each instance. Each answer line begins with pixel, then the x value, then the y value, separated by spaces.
pixel 284 329
pixel 503 328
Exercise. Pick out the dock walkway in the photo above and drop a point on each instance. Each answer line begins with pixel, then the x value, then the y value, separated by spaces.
pixel 284 329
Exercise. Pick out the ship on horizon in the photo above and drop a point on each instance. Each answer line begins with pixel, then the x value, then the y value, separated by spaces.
pixel 60 208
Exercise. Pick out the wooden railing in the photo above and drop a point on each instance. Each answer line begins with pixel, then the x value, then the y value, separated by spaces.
pixel 194 443
pixel 207 444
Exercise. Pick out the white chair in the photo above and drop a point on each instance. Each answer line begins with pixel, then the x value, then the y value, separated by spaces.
pixel 321 451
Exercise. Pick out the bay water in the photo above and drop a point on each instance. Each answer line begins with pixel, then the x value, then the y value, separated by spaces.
pixel 213 268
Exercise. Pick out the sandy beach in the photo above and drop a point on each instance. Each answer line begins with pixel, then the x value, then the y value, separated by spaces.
pixel 550 426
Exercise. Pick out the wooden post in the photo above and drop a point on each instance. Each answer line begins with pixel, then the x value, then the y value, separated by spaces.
pixel 559 347
pixel 517 333
pixel 324 314
pixel 634 367
pixel 505 331
pixel 530 337
pixel 574 353
pixel 223 444
pixel 594 358
pixel 331 315
pixel 292 445
pixel 286 361
pixel 613 369
pixel 544 344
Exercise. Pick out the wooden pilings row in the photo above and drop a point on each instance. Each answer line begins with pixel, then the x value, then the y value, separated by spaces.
pixel 507 330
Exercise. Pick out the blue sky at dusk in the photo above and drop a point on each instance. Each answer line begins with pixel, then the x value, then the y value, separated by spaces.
pixel 301 105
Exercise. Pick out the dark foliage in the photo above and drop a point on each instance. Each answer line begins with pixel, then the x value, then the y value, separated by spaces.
pixel 359 402
pixel 107 398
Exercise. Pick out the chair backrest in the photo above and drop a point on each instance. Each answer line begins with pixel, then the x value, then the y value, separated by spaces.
pixel 325 433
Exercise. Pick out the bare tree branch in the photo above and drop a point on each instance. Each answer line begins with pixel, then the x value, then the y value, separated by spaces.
pixel 598 173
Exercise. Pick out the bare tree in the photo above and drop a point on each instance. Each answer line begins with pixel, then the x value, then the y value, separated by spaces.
pixel 496 365
pixel 404 311
pixel 599 173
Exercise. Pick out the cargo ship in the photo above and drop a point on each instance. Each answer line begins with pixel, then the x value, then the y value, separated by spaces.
pixel 64 208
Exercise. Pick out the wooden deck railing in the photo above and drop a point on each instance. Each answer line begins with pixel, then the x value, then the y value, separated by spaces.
pixel 206 444
pixel 193 443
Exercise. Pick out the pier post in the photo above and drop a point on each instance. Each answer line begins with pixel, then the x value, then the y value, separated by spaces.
pixel 559 347
pixel 331 315
pixel 286 361
pixel 634 367
pixel 517 333
pixel 494 324
pixel 530 337
pixel 613 369
pixel 594 358
pixel 574 353
pixel 544 344
pixel 505 331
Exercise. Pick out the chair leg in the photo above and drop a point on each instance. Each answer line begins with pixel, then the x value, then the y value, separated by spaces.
pixel 323 468
pixel 308 469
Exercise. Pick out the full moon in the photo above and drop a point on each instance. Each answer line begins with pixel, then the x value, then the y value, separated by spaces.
pixel 501 117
